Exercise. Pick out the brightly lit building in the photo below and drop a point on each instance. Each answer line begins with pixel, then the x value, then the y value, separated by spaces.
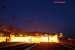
pixel 34 38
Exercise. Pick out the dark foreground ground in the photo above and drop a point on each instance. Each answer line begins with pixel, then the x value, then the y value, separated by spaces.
pixel 14 46
pixel 53 47
pixel 43 46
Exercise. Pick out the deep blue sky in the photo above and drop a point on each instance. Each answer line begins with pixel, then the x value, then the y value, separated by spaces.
pixel 39 15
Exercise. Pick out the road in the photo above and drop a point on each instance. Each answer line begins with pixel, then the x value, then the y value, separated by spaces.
pixel 41 46
pixel 4 44
pixel 51 47
pixel 15 46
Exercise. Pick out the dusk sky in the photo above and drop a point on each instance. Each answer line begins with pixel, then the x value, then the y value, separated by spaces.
pixel 39 15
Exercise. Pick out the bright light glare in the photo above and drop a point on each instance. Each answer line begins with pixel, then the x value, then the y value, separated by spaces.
pixel 53 39
pixel 21 39
pixel 32 39
pixel 44 39
pixel 36 39
pixel 2 39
